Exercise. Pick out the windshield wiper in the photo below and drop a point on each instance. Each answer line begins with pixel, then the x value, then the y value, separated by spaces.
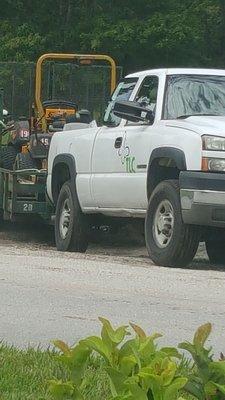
pixel 198 115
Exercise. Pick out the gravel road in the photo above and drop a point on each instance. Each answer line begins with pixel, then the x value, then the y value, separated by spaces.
pixel 45 294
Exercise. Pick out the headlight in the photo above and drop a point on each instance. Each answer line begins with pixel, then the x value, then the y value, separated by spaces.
pixel 213 164
pixel 214 143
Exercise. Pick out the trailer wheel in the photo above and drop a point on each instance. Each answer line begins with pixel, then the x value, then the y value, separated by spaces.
pixel 8 156
pixel 24 161
pixel 71 225
pixel 169 241
pixel 215 250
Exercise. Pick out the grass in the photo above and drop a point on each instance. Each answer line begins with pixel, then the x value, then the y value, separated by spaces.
pixel 24 375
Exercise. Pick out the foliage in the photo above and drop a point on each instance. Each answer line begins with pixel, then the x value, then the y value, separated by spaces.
pixel 208 380
pixel 139 370
pixel 143 33
pixel 129 364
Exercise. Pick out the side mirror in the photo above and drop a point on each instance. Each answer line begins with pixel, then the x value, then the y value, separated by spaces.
pixel 133 111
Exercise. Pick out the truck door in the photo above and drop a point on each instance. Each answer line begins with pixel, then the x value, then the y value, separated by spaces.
pixel 139 140
pixel 109 152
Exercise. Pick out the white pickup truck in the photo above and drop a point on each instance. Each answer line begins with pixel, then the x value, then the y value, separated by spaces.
pixel 160 155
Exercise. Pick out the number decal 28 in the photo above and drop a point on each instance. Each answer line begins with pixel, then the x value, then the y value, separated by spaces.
pixel 28 207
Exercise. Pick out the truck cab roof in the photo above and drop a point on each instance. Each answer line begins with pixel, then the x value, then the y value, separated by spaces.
pixel 178 71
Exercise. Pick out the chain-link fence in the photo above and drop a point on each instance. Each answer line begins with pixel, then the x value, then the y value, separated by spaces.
pixel 88 86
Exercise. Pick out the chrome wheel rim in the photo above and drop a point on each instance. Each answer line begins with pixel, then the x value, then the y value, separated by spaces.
pixel 64 221
pixel 163 224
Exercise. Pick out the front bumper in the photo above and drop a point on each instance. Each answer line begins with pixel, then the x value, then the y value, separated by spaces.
pixel 203 198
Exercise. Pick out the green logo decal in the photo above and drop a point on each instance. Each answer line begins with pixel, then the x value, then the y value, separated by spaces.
pixel 126 159
pixel 130 164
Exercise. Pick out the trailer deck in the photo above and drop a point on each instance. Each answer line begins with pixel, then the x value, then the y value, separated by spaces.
pixel 23 192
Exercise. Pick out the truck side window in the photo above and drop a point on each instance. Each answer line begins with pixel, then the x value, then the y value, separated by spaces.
pixel 122 92
pixel 147 94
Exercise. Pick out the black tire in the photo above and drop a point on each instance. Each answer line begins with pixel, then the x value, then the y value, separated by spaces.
pixel 24 161
pixel 215 249
pixel 76 238
pixel 183 242
pixel 8 156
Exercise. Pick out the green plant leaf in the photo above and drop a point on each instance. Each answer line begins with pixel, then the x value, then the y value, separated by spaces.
pixel 154 383
pixel 151 380
pixel 147 349
pixel 75 359
pixel 117 380
pixel 195 388
pixel 134 379
pixel 172 391
pixel 62 346
pixel 79 356
pixel 221 388
pixel 96 344
pixel 202 334
pixel 137 392
pixel 188 347
pixel 210 389
pixel 136 353
pixel 111 335
pixel 126 349
pixel 60 390
pixel 171 352
pixel 127 364
pixel 169 372
pixel 138 330
pixel 217 368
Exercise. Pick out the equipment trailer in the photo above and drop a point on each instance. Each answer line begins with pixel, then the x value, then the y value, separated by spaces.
pixel 24 193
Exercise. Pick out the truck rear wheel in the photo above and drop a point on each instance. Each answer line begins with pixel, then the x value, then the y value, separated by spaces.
pixel 215 250
pixel 169 241
pixel 71 226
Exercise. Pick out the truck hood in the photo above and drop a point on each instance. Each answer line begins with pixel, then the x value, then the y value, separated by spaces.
pixel 203 125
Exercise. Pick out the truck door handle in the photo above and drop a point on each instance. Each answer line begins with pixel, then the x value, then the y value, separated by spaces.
pixel 118 142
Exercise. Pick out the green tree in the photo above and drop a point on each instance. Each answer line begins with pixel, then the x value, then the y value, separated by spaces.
pixel 139 34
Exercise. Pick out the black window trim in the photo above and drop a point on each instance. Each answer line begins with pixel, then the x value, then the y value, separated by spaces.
pixel 128 123
pixel 122 80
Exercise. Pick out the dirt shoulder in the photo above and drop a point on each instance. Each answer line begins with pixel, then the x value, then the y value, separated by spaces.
pixel 126 246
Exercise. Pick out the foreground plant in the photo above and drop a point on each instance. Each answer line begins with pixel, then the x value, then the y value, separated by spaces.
pixel 75 360
pixel 208 378
pixel 139 370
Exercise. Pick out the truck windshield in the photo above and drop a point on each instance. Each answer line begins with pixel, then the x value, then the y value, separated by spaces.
pixel 188 95
pixel 122 92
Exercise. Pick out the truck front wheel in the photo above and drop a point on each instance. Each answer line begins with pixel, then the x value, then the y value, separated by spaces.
pixel 71 227
pixel 169 241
